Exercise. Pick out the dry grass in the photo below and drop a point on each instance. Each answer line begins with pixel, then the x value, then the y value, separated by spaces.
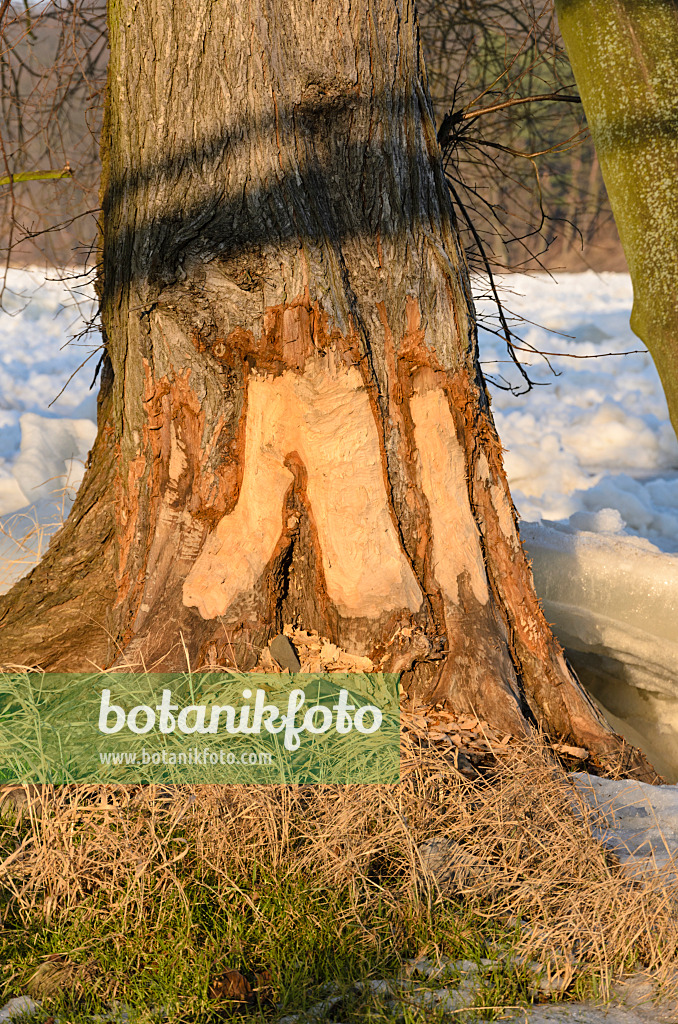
pixel 125 854
pixel 24 540
pixel 25 536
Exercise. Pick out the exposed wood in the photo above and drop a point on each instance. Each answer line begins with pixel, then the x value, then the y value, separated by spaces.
pixel 324 419
pixel 457 551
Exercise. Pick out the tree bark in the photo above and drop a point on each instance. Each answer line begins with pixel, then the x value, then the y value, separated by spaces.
pixel 293 423
pixel 624 55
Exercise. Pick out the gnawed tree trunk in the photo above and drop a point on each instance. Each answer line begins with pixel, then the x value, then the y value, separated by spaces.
pixel 293 423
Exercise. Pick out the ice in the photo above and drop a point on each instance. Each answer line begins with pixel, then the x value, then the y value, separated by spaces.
pixel 591 457
pixel 614 601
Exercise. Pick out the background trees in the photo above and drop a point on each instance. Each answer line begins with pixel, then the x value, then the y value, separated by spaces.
pixel 491 56
pixel 52 71
pixel 53 65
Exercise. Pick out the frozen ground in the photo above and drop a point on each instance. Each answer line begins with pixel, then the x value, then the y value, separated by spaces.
pixel 591 457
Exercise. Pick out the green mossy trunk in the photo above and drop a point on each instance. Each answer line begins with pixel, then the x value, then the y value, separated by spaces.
pixel 624 56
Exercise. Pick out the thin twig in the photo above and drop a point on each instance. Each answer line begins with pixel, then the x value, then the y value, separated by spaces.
pixel 488 268
pixel 77 369
pixel 574 355
pixel 3 9
pixel 37 176
pixel 563 97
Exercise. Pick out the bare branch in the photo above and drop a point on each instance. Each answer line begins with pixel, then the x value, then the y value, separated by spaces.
pixel 456 116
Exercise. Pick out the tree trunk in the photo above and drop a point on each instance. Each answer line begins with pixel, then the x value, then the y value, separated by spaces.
pixel 293 423
pixel 624 55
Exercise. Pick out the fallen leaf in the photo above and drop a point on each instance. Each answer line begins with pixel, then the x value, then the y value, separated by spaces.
pixel 231 987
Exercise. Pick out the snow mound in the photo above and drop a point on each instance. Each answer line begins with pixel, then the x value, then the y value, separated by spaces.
pixel 52 457
pixel 46 421
pixel 596 435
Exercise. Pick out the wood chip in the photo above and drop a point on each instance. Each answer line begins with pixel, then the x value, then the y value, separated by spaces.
pixel 563 748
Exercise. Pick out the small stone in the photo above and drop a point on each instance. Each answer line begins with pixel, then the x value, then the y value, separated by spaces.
pixel 21 1006
pixel 284 653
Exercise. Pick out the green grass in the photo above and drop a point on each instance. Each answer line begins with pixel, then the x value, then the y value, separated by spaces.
pixel 144 896
pixel 310 937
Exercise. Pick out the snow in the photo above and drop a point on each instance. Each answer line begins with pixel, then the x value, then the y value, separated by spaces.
pixel 20 1006
pixel 596 439
pixel 591 457
pixel 42 448
pixel 592 461
pixel 635 821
